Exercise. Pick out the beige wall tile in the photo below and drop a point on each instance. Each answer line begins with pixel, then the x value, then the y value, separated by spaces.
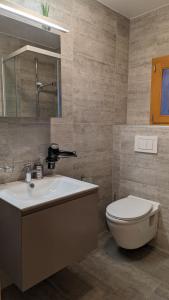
pixel 143 175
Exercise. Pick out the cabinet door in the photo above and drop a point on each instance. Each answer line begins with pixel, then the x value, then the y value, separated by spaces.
pixel 54 238
pixel 10 245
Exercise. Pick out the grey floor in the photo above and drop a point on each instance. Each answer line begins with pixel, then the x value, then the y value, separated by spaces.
pixel 109 273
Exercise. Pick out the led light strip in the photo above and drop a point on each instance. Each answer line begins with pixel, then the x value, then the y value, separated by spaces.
pixel 32 17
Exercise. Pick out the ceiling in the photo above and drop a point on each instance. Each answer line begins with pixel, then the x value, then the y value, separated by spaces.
pixel 134 8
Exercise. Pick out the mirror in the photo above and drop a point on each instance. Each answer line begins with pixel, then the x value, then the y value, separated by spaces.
pixel 30 70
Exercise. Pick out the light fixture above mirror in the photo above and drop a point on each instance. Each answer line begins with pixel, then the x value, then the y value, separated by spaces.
pixel 12 11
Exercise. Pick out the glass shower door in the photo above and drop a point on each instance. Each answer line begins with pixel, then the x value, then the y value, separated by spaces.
pixel 9 88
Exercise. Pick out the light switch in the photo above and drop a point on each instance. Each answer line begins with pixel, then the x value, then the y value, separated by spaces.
pixel 146 144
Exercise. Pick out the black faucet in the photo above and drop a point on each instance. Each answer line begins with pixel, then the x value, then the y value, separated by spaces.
pixel 54 154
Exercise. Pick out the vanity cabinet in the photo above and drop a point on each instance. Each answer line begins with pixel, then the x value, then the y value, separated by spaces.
pixel 38 242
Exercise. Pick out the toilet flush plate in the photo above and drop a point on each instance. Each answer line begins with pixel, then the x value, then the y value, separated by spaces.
pixel 146 144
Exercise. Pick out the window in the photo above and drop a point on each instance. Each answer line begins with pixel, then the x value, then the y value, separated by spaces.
pixel 160 91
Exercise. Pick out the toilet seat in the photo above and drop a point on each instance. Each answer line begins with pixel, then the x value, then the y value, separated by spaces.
pixel 129 208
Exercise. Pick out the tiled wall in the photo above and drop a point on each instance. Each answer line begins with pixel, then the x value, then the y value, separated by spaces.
pixel 144 175
pixel 141 174
pixel 94 85
pixel 94 91
pixel 21 141
pixel 149 38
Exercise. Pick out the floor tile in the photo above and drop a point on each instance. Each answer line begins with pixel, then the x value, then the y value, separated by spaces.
pixel 42 291
pixel 108 273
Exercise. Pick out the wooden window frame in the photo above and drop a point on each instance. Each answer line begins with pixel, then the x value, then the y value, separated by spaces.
pixel 158 64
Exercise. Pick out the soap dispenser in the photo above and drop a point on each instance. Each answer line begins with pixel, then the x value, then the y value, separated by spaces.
pixel 38 170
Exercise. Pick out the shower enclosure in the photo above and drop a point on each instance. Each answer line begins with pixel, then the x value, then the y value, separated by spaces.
pixel 31 83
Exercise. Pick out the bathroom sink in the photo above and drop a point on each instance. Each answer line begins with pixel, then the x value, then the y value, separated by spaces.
pixel 22 196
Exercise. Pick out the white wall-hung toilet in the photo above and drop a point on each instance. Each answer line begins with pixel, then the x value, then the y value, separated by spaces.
pixel 133 221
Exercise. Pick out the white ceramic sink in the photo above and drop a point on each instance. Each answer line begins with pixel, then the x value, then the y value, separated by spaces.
pixel 22 196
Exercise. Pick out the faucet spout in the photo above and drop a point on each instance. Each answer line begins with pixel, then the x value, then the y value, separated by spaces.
pixel 28 176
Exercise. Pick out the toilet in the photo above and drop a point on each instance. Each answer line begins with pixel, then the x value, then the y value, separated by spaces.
pixel 133 221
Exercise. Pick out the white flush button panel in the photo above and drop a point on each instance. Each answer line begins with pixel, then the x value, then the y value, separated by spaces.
pixel 146 144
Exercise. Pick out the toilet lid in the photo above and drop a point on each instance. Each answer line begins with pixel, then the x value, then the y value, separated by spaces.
pixel 129 208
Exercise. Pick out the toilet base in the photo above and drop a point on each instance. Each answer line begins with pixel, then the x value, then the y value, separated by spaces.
pixel 135 235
